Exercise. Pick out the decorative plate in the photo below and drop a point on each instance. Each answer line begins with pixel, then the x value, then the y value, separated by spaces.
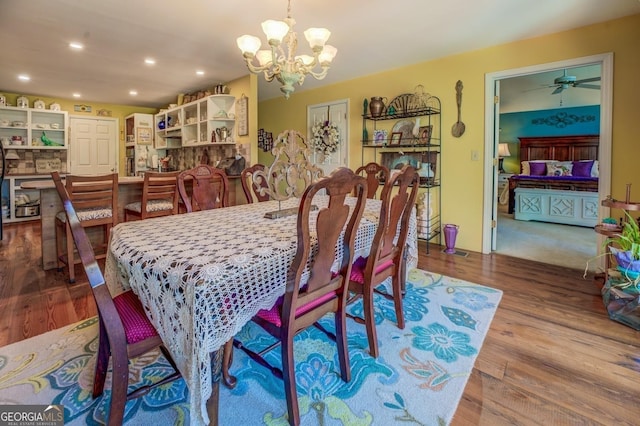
pixel 406 128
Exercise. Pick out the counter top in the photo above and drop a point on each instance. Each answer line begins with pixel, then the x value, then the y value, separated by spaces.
pixel 48 183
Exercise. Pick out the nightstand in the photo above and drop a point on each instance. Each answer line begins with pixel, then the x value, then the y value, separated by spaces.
pixel 503 187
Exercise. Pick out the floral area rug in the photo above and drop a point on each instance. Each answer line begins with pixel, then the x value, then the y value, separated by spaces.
pixel 418 378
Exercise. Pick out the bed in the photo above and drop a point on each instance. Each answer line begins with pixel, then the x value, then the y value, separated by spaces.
pixel 558 180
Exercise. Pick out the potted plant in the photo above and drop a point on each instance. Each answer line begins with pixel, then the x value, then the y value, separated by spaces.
pixel 625 247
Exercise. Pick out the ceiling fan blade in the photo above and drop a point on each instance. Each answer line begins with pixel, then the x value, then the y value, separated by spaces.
pixel 587 80
pixel 558 90
pixel 587 86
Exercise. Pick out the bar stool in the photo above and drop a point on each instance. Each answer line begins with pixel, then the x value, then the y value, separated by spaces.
pixel 96 202
pixel 159 197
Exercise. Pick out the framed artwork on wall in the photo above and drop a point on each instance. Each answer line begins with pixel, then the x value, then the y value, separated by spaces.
pixel 424 134
pixel 396 137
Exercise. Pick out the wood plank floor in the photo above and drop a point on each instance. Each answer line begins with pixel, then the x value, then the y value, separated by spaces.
pixel 551 357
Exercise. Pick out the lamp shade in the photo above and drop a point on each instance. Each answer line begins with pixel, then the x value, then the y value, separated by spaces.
pixel 503 150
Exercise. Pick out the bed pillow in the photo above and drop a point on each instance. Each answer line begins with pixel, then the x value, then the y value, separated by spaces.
pixel 524 168
pixel 537 169
pixel 595 170
pixel 559 168
pixel 582 168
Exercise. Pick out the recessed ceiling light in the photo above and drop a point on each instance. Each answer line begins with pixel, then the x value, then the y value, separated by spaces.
pixel 200 72
pixel 76 95
pixel 24 77
pixel 133 92
pixel 75 45
pixel 150 61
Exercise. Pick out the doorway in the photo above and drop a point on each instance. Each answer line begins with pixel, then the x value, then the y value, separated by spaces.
pixel 93 146
pixel 492 108
pixel 337 113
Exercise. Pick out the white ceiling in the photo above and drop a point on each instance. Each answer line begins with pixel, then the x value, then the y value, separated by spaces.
pixel 185 35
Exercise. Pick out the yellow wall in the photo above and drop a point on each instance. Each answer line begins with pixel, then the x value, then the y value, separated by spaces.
pixel 248 86
pixel 462 179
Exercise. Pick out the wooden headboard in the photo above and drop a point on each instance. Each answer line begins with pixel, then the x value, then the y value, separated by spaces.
pixel 560 148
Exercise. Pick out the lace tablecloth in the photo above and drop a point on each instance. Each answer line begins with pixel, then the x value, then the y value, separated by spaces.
pixel 202 276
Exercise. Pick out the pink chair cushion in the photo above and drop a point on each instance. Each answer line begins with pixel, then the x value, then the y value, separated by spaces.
pixel 357 269
pixel 137 326
pixel 273 315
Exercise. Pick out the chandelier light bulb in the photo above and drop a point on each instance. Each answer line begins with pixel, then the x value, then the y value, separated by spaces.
pixel 280 61
pixel 249 44
pixel 275 31
pixel 317 37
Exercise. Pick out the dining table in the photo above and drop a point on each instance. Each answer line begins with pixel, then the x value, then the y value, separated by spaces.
pixel 202 276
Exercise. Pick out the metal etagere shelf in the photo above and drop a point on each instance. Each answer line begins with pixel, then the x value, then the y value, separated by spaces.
pixel 408 130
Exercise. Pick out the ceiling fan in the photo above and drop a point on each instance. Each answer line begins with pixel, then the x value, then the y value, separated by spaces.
pixel 565 81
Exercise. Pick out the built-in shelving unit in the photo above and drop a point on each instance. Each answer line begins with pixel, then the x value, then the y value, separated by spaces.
pixel 206 121
pixel 23 128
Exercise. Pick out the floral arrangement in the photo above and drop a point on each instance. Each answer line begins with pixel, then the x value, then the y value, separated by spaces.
pixel 326 137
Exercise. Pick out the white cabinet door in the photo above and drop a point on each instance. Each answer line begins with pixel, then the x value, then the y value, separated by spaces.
pixel 93 146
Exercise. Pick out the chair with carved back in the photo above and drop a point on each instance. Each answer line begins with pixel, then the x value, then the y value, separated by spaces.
pixel 209 188
pixel 305 302
pixel 386 258
pixel 125 330
pixel 254 187
pixel 375 174
pixel 159 197
pixel 96 202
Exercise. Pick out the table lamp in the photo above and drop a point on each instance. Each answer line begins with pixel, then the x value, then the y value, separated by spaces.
pixel 503 151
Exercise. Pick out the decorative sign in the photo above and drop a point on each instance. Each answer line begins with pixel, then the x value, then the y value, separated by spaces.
pixel 144 135
pixel 242 115
pixel 82 108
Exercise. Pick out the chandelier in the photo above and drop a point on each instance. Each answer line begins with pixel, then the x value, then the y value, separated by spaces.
pixel 281 62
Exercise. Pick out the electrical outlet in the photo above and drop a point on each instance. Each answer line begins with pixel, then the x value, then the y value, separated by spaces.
pixel 475 155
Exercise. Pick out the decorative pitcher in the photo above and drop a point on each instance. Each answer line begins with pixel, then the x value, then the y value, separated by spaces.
pixel 222 133
pixel 376 106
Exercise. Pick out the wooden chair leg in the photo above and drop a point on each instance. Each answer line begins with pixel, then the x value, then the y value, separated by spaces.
pixel 119 385
pixel 341 341
pixel 397 298
pixel 289 378
pixel 102 361
pixel 59 244
pixel 70 256
pixel 370 322
pixel 227 359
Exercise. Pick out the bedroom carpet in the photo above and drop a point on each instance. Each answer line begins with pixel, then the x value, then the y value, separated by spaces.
pixel 564 245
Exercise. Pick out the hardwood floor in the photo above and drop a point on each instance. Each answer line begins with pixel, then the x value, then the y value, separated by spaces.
pixel 552 355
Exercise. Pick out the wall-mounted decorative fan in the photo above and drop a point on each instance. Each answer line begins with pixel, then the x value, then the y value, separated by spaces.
pixel 565 81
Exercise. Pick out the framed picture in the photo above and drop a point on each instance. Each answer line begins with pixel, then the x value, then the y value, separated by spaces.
pixel 380 137
pixel 144 135
pixel 396 137
pixel 424 134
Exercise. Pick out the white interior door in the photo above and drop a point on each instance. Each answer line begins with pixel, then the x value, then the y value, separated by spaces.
pixel 93 146
pixel 336 112
pixel 496 139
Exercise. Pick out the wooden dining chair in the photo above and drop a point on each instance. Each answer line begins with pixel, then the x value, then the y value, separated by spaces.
pixel 96 203
pixel 159 197
pixel 305 302
pixel 209 188
pixel 125 330
pixel 376 175
pixel 254 187
pixel 386 258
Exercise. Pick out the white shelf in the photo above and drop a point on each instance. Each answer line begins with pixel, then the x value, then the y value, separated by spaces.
pixel 194 123
pixel 36 122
